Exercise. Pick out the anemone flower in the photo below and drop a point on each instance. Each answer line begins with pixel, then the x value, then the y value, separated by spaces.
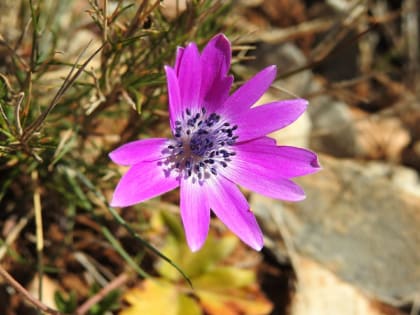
pixel 219 141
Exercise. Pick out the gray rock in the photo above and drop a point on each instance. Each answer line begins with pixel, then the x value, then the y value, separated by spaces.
pixel 357 222
pixel 333 128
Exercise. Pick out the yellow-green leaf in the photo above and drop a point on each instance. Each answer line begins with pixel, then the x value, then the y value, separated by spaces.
pixel 188 306
pixel 236 303
pixel 157 297
pixel 224 277
pixel 207 258
pixel 195 264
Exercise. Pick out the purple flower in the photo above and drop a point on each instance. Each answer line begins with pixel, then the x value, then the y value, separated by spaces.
pixel 218 141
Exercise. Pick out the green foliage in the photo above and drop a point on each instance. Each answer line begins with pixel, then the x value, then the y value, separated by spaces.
pixel 65 304
pixel 75 84
pixel 218 287
pixel 54 121
pixel 197 263
pixel 3 90
pixel 109 303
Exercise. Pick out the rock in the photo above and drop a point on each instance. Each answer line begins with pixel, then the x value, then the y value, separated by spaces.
pixel 344 131
pixel 270 215
pixel 333 128
pixel 320 292
pixel 401 177
pixel 358 223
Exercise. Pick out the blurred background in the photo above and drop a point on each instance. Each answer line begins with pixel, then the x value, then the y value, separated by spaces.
pixel 78 78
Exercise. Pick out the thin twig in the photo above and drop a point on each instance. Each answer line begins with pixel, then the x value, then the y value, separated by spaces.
pixel 105 21
pixel 114 284
pixel 87 264
pixel 411 31
pixel 136 20
pixel 19 288
pixel 13 52
pixel 68 82
pixel 39 231
pixel 34 50
pixel 281 35
pixel 336 34
pixel 17 113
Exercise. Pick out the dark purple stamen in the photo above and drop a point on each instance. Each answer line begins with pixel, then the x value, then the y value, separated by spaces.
pixel 202 145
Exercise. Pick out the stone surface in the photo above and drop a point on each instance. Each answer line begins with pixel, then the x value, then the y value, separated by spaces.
pixel 333 129
pixel 320 292
pixel 344 131
pixel 358 222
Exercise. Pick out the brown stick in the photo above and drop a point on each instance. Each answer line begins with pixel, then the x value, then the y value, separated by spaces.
pixel 18 287
pixel 114 284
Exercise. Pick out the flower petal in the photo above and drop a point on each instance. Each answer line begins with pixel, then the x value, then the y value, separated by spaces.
pixel 298 161
pixel 257 175
pixel 246 96
pixel 189 77
pixel 218 94
pixel 231 207
pixel 261 120
pixel 215 62
pixel 283 161
pixel 178 58
pixel 263 141
pixel 174 95
pixel 138 151
pixel 216 56
pixel 195 214
pixel 143 181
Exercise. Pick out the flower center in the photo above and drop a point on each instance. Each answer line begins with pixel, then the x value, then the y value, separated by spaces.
pixel 202 144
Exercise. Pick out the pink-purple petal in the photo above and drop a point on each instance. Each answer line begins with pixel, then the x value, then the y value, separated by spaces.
pixel 284 161
pixel 205 120
pixel 195 213
pixel 175 105
pixel 178 58
pixel 267 141
pixel 218 94
pixel 231 207
pixel 216 56
pixel 262 120
pixel 138 151
pixel 246 96
pixel 143 181
pixel 189 77
pixel 262 179
pixel 215 61
pixel 298 161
